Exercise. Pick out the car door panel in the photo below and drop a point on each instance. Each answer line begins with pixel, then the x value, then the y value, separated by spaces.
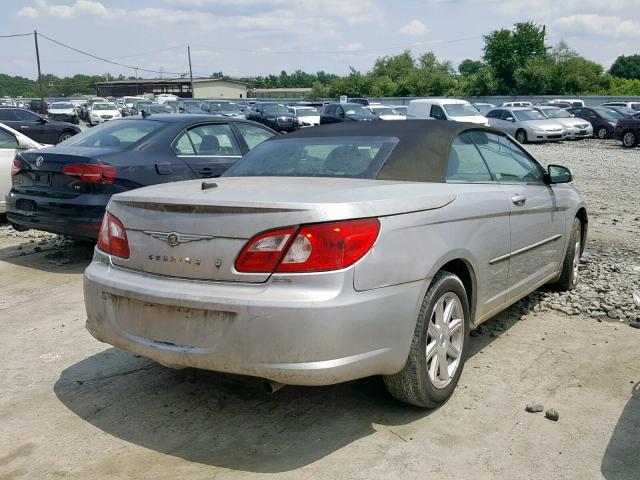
pixel 536 220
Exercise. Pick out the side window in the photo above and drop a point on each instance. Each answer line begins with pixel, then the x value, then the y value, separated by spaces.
pixel 493 114
pixel 215 140
pixel 7 140
pixel 7 114
pixel 24 116
pixel 437 112
pixel 506 115
pixel 465 162
pixel 252 135
pixel 331 110
pixel 506 161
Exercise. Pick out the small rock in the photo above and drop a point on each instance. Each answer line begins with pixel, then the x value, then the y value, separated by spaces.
pixel 534 407
pixel 635 324
pixel 636 298
pixel 611 313
pixel 37 249
pixel 552 414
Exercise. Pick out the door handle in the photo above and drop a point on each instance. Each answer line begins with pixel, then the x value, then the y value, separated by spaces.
pixel 164 168
pixel 518 199
pixel 24 127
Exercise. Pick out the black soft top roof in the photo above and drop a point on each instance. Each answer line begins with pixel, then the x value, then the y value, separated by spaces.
pixel 422 152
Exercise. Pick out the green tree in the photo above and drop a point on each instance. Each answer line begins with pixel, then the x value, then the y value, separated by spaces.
pixel 626 67
pixel 508 50
pixel 394 67
pixel 469 67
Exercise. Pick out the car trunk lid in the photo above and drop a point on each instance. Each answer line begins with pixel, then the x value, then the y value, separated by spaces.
pixel 41 171
pixel 183 230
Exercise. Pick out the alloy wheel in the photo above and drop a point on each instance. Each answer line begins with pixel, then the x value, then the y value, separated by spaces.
pixel 576 260
pixel 445 338
pixel 602 133
pixel 63 137
pixel 629 139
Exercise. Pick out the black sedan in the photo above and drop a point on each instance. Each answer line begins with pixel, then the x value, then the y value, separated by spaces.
pixel 602 119
pixel 274 115
pixel 346 112
pixel 36 127
pixel 65 189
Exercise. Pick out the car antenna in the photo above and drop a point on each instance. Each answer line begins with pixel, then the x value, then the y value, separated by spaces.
pixel 207 185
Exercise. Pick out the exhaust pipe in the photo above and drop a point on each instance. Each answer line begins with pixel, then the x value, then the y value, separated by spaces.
pixel 272 387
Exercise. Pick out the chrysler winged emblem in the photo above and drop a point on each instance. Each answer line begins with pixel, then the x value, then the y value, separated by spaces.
pixel 175 238
pixel 39 161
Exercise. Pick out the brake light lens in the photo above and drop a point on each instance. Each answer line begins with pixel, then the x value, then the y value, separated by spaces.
pixel 91 172
pixel 313 248
pixel 112 238
pixel 262 253
pixel 15 167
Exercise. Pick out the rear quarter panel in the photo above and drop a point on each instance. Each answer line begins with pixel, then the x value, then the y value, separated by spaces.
pixel 414 246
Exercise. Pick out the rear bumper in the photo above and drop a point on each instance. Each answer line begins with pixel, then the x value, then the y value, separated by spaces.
pixel 312 330
pixel 79 217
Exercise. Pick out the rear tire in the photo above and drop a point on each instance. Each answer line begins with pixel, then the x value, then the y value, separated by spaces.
pixel 629 139
pixel 568 279
pixel 440 338
pixel 602 133
pixel 521 136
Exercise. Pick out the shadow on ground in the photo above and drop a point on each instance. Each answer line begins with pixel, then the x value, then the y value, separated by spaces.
pixel 621 460
pixel 69 258
pixel 230 421
pixel 224 420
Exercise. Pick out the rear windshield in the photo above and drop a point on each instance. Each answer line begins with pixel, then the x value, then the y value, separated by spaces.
pixel 343 157
pixel 120 133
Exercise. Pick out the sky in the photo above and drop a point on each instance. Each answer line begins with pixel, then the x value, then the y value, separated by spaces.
pixel 259 37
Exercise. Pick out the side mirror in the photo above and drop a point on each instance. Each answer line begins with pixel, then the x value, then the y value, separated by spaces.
pixel 510 119
pixel 43 121
pixel 558 174
pixel 341 114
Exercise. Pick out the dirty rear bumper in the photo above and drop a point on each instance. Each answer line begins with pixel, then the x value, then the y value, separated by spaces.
pixel 301 330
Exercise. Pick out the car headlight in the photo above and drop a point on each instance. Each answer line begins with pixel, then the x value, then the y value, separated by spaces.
pixel 117 115
pixel 538 130
pixel 613 124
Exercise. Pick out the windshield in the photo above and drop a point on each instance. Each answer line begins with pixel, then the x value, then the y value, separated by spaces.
pixel 121 133
pixel 159 109
pixel 60 106
pixel 556 113
pixel 273 108
pixel 307 112
pixel 529 114
pixel 383 110
pixel 104 106
pixel 346 157
pixel 460 110
pixel 609 114
pixel 355 109
pixel 483 109
pixel 224 107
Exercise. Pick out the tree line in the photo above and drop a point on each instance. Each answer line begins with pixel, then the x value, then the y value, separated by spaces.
pixel 514 62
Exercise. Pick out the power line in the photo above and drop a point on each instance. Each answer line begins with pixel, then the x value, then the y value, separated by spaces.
pixel 16 35
pixel 105 59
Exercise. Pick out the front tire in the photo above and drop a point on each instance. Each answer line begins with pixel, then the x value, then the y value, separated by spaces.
pixel 521 136
pixel 568 279
pixel 629 139
pixel 64 136
pixel 602 133
pixel 438 348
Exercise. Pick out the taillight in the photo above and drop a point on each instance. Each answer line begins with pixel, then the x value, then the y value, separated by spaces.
pixel 91 172
pixel 262 253
pixel 113 237
pixel 315 248
pixel 15 167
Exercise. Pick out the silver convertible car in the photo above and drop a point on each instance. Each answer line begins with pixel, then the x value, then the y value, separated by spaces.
pixel 335 253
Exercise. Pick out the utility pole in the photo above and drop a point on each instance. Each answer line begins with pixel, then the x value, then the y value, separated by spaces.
pixel 136 70
pixel 44 108
pixel 190 71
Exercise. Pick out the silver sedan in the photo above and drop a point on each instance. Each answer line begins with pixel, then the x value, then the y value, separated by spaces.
pixel 336 253
pixel 574 127
pixel 525 124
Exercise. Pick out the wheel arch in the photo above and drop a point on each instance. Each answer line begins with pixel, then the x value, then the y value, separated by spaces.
pixel 581 215
pixel 463 269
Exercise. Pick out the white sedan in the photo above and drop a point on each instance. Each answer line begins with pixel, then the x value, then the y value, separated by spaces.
pixel 11 141
pixel 387 112
pixel 102 112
